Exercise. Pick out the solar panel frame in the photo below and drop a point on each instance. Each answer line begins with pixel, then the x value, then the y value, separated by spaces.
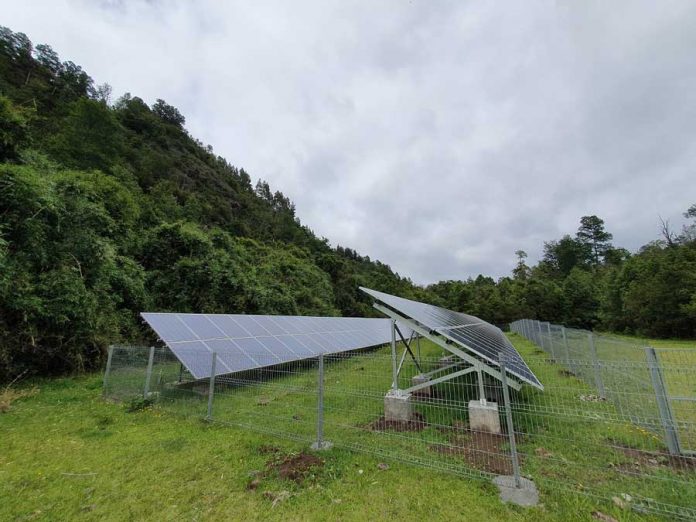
pixel 475 335
pixel 245 342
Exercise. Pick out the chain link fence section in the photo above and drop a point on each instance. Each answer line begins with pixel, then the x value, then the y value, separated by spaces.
pixel 654 388
pixel 567 439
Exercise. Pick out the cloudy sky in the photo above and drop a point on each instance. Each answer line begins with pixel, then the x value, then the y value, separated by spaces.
pixel 436 136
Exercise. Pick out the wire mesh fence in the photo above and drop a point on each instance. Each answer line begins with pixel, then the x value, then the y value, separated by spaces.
pixel 568 438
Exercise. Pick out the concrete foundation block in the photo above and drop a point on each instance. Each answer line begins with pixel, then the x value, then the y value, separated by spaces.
pixel 397 406
pixel 524 495
pixel 484 417
pixel 421 379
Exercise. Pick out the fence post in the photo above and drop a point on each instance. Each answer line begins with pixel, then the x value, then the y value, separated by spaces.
pixel 548 329
pixel 510 426
pixel 320 443
pixel 597 367
pixel 540 341
pixel 148 373
pixel 663 406
pixel 107 371
pixel 211 388
pixel 566 349
pixel 395 371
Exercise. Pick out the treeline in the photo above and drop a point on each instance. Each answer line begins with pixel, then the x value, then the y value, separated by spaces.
pixel 109 208
pixel 586 282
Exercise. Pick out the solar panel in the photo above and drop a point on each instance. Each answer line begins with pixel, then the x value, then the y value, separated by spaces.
pixel 474 334
pixel 245 342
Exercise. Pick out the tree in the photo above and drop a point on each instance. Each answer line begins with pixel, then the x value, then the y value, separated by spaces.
pixel 592 234
pixel 168 113
pixel 13 130
pixel 564 255
pixel 521 270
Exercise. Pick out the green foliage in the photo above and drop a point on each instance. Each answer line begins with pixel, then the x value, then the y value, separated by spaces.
pixel 13 130
pixel 111 210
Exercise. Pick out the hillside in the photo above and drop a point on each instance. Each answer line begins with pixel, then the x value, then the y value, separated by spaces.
pixel 108 209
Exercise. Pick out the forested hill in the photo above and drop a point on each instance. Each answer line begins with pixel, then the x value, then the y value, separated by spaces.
pixel 109 207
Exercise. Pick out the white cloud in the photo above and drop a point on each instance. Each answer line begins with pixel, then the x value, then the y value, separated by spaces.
pixel 437 137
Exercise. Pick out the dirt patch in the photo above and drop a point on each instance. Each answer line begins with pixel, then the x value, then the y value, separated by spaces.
pixel 642 459
pixel 416 423
pixel 295 467
pixel 267 449
pixel 481 450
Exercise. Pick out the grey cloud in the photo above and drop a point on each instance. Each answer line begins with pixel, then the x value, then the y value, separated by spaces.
pixel 439 137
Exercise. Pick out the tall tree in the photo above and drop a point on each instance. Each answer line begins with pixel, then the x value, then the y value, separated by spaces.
pixel 593 234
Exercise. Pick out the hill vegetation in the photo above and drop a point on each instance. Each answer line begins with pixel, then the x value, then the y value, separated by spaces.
pixel 108 208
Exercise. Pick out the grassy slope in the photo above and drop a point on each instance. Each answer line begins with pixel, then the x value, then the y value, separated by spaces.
pixel 66 454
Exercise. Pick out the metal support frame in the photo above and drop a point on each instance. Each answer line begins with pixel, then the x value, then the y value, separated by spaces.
pixel 444 378
pixel 440 342
pixel 510 426
pixel 443 369
pixel 107 371
pixel 181 372
pixel 482 391
pixel 211 388
pixel 407 345
pixel 148 373
pixel 599 382
pixel 663 402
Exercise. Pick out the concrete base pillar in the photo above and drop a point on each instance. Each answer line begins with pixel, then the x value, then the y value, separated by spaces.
pixel 397 406
pixel 446 360
pixel 420 379
pixel 484 417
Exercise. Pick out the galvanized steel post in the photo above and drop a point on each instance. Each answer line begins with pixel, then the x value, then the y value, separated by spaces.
pixel 565 346
pixel 320 403
pixel 211 388
pixel 148 373
pixel 548 329
pixel 510 426
pixel 107 371
pixel 395 371
pixel 662 399
pixel 597 367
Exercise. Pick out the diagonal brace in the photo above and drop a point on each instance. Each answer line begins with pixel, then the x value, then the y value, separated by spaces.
pixel 407 344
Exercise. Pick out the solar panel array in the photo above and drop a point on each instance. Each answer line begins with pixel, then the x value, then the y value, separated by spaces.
pixel 245 342
pixel 474 334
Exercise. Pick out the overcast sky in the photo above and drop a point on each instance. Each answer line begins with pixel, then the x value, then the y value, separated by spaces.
pixel 438 137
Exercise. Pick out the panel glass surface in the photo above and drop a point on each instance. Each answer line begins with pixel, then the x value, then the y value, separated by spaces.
pixel 244 342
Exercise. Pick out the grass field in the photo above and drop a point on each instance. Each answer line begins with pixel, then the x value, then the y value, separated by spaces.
pixel 66 454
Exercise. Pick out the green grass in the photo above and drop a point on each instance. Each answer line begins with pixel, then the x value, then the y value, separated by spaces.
pixel 66 454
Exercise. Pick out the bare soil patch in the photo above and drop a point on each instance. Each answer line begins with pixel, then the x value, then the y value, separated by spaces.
pixel 295 467
pixel 480 449
pixel 416 423
pixel 651 459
